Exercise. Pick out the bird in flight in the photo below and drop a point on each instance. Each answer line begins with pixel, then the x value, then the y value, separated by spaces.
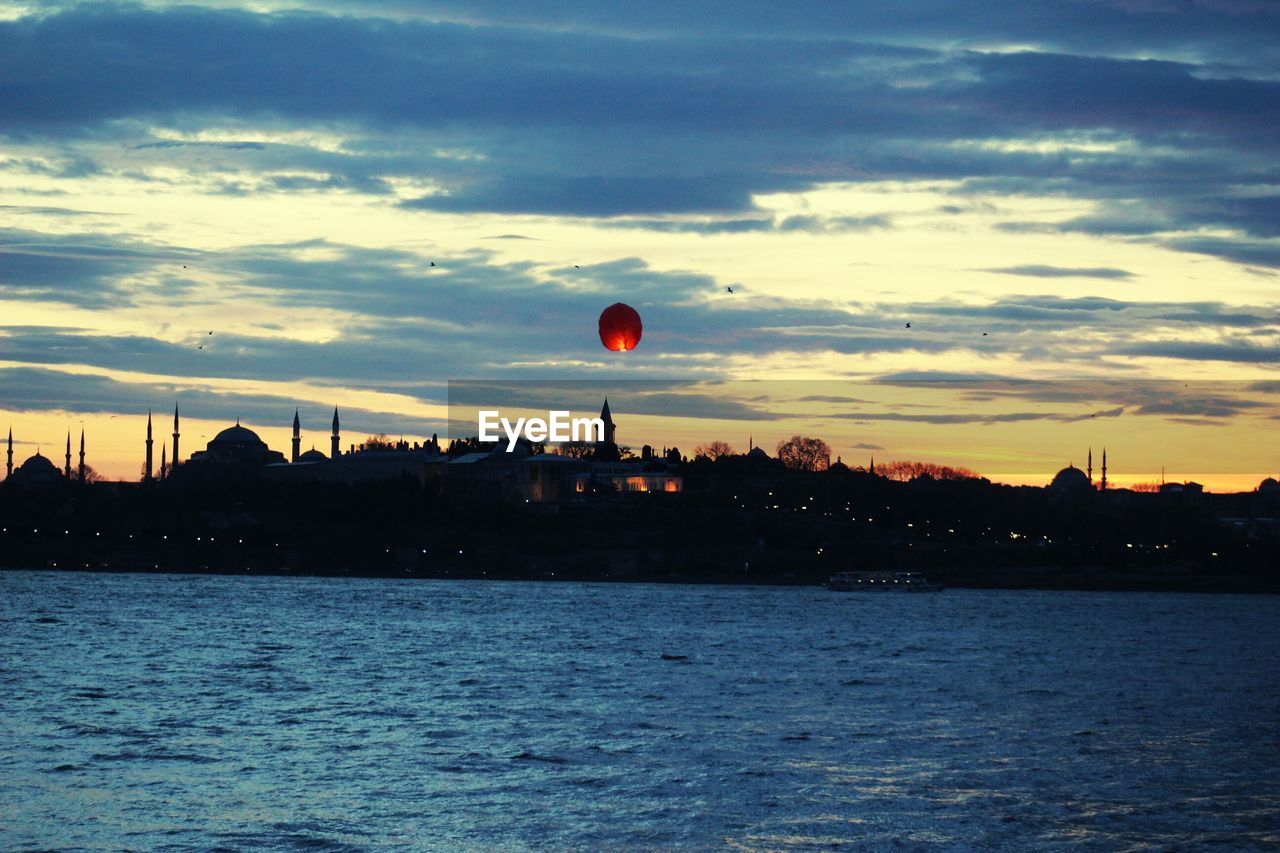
pixel 433 263
pixel 576 267
pixel 730 289
pixel 908 325
pixel 984 334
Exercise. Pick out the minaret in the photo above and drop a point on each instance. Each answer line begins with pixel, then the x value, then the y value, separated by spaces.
pixel 8 469
pixel 146 476
pixel 1104 468
pixel 82 454
pixel 163 449
pixel 336 447
pixel 66 472
pixel 1089 469
pixel 176 435
pixel 297 436
pixel 872 470
pixel 610 431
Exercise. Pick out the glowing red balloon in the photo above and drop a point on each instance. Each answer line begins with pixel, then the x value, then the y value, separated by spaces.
pixel 620 327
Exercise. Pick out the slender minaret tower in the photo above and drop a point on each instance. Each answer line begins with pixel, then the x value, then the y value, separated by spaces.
pixel 8 468
pixel 1089 470
pixel 610 431
pixel 336 446
pixel 163 452
pixel 66 472
pixel 1104 468
pixel 176 435
pixel 872 469
pixel 82 454
pixel 146 475
pixel 297 436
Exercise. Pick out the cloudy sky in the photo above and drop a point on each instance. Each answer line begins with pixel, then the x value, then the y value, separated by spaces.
pixel 363 206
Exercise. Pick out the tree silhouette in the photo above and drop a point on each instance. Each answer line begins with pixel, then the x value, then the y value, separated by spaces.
pixel 904 471
pixel 804 453
pixel 576 449
pixel 713 450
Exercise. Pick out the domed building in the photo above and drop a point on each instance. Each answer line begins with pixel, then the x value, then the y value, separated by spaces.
pixel 313 455
pixel 237 447
pixel 1071 481
pixel 38 472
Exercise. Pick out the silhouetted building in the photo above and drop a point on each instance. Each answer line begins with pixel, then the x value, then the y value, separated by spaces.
pixel 37 472
pixel 1070 482
pixel 237 447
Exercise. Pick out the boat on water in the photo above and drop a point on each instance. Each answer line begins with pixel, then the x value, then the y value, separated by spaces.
pixel 881 582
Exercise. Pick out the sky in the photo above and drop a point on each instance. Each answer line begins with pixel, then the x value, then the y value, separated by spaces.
pixel 252 208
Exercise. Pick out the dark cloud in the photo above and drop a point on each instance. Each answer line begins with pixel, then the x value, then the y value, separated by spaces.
pixel 1045 271
pixel 617 114
pixel 96 398
pixel 956 418
pixel 1201 351
pixel 86 270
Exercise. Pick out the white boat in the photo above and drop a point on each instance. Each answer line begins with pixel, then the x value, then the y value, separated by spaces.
pixel 881 582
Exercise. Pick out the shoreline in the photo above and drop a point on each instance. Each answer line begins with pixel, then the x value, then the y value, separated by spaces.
pixel 1092 580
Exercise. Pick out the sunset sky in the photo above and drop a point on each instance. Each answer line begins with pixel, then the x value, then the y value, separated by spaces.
pixel 364 206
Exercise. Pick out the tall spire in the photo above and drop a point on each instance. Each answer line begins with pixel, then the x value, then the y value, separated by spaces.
pixel 1089 469
pixel 82 454
pixel 297 436
pixel 66 472
pixel 163 449
pixel 146 473
pixel 872 469
pixel 176 435
pixel 610 431
pixel 336 445
pixel 1104 468
pixel 9 465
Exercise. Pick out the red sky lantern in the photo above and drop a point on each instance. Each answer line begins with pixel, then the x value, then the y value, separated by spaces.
pixel 620 327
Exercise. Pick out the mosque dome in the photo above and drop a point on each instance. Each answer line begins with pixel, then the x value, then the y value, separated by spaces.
pixel 1071 478
pixel 39 465
pixel 838 467
pixel 757 453
pixel 313 455
pixel 237 436
pixel 1269 486
pixel 237 447
pixel 37 471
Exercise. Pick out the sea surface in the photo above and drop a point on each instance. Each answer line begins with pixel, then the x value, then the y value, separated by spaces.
pixel 167 712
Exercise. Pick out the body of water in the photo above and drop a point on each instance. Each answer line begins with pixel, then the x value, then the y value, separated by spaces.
pixel 197 712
